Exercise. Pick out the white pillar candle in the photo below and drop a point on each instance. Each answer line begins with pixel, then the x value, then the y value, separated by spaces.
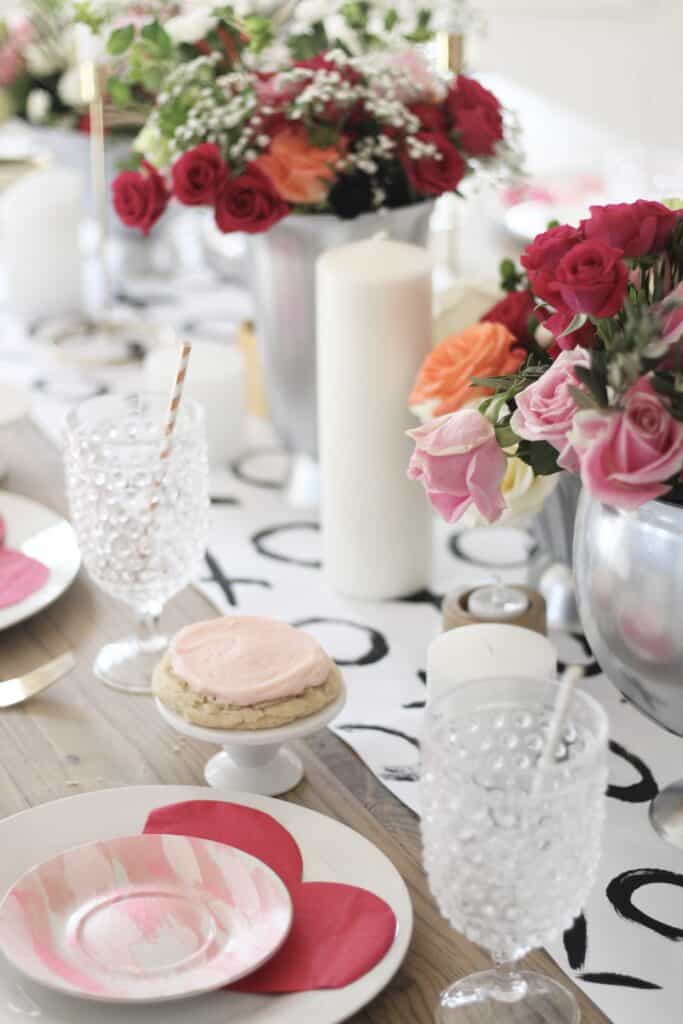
pixel 487 651
pixel 374 329
pixel 217 378
pixel 40 218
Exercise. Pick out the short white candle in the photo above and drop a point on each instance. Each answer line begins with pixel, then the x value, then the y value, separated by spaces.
pixel 217 378
pixel 374 330
pixel 497 602
pixel 486 651
pixel 40 217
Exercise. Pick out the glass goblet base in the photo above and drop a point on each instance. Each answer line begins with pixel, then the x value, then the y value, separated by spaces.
pixel 501 997
pixel 127 665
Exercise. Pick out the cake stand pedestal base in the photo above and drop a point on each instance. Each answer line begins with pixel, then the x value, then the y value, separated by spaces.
pixel 255 760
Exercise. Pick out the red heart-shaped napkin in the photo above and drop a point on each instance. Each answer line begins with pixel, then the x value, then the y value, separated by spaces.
pixel 244 828
pixel 339 932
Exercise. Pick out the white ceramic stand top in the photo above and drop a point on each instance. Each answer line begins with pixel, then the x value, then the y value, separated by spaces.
pixel 255 760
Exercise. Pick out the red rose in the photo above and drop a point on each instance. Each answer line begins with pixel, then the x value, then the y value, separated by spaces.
pixel 559 322
pixel 140 197
pixel 436 174
pixel 592 278
pixel 432 118
pixel 541 257
pixel 513 312
pixel 198 175
pixel 476 115
pixel 249 203
pixel 635 228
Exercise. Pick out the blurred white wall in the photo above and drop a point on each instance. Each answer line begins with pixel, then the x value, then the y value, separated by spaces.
pixel 598 84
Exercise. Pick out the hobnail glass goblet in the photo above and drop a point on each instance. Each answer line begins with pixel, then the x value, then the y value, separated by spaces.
pixel 511 850
pixel 142 522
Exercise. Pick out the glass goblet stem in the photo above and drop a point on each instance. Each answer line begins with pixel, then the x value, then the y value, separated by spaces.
pixel 149 638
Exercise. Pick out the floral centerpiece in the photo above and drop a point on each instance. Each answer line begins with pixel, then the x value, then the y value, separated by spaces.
pixel 335 134
pixel 601 396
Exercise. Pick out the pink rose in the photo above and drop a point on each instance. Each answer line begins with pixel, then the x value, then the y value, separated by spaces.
pixel 635 228
pixel 458 460
pixel 558 323
pixel 627 456
pixel 546 409
pixel 592 278
pixel 541 258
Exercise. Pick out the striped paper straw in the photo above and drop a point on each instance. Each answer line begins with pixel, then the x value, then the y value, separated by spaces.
pixel 171 417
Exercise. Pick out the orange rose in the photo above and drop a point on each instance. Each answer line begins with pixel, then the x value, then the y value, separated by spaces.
pixel 300 172
pixel 484 350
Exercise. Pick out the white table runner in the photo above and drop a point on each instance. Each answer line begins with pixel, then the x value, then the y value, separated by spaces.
pixel 263 558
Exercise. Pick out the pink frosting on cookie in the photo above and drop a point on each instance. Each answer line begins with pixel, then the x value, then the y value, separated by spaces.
pixel 244 660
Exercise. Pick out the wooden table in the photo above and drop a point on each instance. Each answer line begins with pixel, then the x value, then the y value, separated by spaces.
pixel 82 736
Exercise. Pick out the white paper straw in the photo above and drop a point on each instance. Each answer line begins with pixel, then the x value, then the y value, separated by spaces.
pixel 557 723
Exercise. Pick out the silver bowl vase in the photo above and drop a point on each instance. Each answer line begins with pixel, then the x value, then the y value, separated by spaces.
pixel 629 575
pixel 282 279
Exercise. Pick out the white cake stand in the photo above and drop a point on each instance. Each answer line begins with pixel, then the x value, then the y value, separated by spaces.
pixel 255 760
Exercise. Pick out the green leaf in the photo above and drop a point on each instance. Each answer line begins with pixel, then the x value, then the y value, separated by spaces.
pixel 120 93
pixel 355 15
pixel 575 324
pixel 540 455
pixel 583 400
pixel 131 162
pixel 505 436
pixel 390 20
pixel 595 383
pixel 552 224
pixel 157 39
pixel 120 40
pixel 309 44
pixel 322 135
pixel 151 78
pixel 260 32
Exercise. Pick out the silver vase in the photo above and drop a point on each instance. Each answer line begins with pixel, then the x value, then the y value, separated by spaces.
pixel 629 573
pixel 551 570
pixel 282 276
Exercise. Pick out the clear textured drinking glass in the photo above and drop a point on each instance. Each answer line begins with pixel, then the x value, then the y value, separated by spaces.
pixel 142 522
pixel 511 851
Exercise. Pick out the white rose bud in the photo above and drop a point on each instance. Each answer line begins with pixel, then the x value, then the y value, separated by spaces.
pixel 69 88
pixel 38 106
pixel 190 28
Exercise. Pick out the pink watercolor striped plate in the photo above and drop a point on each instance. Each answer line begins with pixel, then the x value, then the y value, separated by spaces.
pixel 144 918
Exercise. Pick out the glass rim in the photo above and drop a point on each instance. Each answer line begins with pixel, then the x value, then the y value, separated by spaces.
pixel 598 742
pixel 192 405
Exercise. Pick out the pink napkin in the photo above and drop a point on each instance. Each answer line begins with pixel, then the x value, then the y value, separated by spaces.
pixel 339 933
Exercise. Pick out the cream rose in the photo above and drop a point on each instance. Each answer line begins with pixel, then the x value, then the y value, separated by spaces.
pixel 523 492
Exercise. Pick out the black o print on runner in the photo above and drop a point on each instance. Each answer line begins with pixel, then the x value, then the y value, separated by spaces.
pixel 261 541
pixel 424 596
pixel 455 543
pixel 240 470
pixel 414 704
pixel 353 727
pixel 621 890
pixel 228 583
pixel 641 792
pixel 378 647
pixel 576 942
pixel 624 980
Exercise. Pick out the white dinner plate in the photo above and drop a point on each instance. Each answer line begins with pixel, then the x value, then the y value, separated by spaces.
pixel 42 534
pixel 331 852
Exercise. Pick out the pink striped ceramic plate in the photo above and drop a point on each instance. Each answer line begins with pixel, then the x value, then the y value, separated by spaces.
pixel 144 918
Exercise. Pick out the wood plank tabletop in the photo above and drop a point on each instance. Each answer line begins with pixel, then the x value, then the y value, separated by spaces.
pixel 82 736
